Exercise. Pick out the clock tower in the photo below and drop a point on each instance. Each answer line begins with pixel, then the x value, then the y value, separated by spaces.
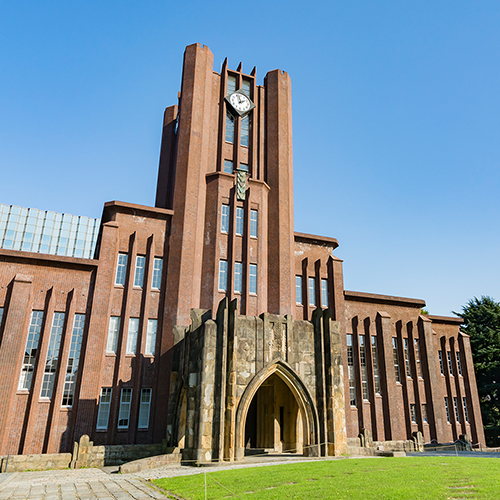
pixel 226 171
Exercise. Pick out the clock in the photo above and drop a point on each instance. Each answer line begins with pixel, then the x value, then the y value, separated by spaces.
pixel 240 103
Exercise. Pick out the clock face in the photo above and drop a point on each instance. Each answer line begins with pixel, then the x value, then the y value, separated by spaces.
pixel 240 102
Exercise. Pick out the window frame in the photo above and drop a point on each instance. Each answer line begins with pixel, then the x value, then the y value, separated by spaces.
pixel 223 268
pixel 239 226
pixel 121 269
pixel 252 279
pixel 142 404
pixel 124 407
pixel 157 273
pixel 132 336
pixel 113 334
pixel 254 223
pixel 225 218
pixel 139 271
pixel 104 406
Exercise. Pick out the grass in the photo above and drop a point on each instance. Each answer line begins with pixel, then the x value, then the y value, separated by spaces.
pixel 378 478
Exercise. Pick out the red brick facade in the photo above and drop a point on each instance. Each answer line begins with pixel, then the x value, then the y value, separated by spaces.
pixel 185 231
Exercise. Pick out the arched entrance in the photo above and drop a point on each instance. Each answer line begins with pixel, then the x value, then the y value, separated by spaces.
pixel 273 422
pixel 276 412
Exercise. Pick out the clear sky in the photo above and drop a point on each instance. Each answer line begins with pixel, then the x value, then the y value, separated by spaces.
pixel 396 108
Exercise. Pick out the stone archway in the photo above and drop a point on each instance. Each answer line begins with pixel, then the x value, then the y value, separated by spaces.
pixel 294 404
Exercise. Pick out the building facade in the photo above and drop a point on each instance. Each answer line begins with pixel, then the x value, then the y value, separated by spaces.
pixel 206 320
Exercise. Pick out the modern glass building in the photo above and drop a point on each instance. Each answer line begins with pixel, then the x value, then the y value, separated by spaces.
pixel 32 230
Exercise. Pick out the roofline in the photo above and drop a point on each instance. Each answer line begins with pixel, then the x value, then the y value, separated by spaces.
pixel 123 206
pixel 383 299
pixel 450 320
pixel 46 257
pixel 316 240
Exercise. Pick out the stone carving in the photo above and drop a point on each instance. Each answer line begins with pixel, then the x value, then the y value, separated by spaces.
pixel 241 184
pixel 277 343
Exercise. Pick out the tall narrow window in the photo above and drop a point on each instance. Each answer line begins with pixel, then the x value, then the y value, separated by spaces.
pixel 231 84
pixel 245 87
pixel 31 350
pixel 223 275
pixel 104 407
pixel 239 221
pixel 114 327
pixel 228 166
pixel 151 337
pixel 417 357
pixel 73 360
pixel 457 413
pixel 49 373
pixel 324 293
pixel 441 363
pixel 376 373
pixel 121 269
pixel 413 413
pixel 312 291
pixel 424 413
pixel 157 268
pixel 1 316
pixel 238 277
pixel 466 413
pixel 140 263
pixel 459 364
pixel 229 128
pixel 450 363
pixel 396 359
pixel 133 330
pixel 244 166
pixel 447 408
pixel 350 366
pixel 224 220
pixel 252 282
pixel 245 130
pixel 124 412
pixel 407 357
pixel 362 362
pixel 253 223
pixel 144 408
pixel 298 289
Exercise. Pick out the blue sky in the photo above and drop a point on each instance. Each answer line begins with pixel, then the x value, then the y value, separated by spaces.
pixel 396 121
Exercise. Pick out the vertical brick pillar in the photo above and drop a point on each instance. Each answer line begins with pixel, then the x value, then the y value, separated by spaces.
pixel 431 372
pixel 185 259
pixel 393 410
pixel 94 344
pixel 17 317
pixel 281 253
pixel 474 409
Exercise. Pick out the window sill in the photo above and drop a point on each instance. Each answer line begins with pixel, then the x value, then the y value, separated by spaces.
pixel 157 290
pixel 22 392
pixel 44 401
pixel 117 285
pixel 137 287
pixel 110 354
pixel 101 430
pixel 66 408
pixel 128 355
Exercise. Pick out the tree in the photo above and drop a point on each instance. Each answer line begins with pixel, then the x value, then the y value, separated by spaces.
pixel 482 323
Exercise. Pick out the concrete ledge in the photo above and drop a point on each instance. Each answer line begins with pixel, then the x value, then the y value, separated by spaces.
pixel 151 463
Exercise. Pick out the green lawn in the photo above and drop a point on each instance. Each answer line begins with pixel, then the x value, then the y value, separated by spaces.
pixel 370 478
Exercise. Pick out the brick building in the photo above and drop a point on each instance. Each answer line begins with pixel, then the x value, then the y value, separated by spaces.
pixel 207 320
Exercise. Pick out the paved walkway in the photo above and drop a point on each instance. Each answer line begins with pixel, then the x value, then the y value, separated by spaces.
pixel 98 484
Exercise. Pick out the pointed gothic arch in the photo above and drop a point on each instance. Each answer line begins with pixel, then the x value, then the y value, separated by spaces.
pixel 302 396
